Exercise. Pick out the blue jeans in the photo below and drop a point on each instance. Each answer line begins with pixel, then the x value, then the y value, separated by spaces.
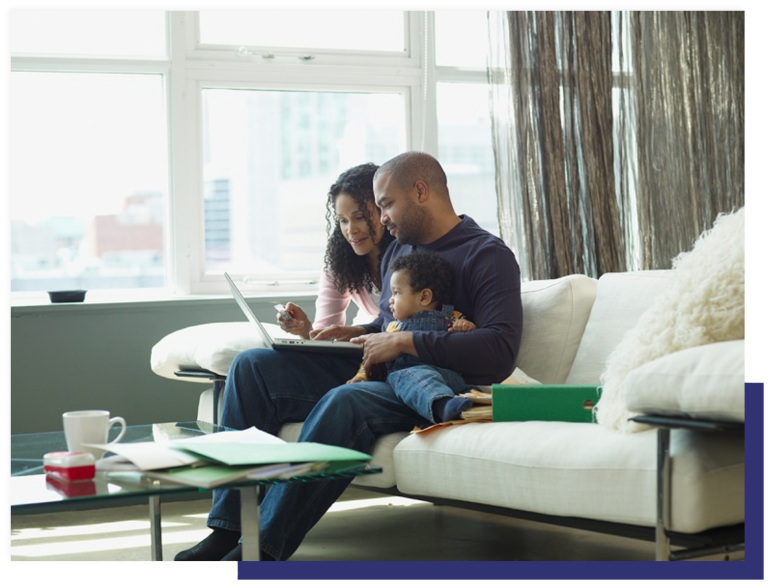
pixel 418 384
pixel 267 388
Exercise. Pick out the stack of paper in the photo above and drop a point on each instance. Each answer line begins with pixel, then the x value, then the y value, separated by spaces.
pixel 218 458
pixel 215 475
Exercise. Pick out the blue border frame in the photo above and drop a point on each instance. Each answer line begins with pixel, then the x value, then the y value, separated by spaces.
pixel 751 569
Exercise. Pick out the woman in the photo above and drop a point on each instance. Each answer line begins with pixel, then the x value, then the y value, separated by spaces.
pixel 356 241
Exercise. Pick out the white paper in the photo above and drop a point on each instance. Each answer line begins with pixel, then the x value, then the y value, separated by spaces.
pixel 251 435
pixel 150 455
pixel 154 455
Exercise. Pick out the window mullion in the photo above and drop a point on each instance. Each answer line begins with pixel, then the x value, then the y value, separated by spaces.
pixel 185 195
pixel 429 121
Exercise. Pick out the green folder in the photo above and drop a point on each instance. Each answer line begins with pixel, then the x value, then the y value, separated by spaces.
pixel 243 454
pixel 544 402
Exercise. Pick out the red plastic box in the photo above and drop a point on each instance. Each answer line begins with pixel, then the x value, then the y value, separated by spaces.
pixel 70 466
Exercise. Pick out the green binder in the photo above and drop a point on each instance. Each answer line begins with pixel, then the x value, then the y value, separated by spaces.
pixel 544 402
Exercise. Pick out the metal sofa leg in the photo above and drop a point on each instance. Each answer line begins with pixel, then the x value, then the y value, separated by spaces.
pixel 219 384
pixel 662 541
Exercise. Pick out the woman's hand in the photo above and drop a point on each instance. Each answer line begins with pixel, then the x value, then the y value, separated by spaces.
pixel 341 333
pixel 299 324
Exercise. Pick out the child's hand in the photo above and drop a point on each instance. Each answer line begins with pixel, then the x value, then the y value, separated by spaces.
pixel 378 372
pixel 462 325
pixel 356 379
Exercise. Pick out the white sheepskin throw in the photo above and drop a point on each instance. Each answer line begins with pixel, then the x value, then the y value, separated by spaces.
pixel 705 304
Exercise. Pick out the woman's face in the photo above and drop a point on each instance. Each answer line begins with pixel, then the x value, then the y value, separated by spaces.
pixel 353 224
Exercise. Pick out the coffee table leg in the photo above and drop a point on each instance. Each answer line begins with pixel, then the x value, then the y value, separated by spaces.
pixel 250 523
pixel 156 540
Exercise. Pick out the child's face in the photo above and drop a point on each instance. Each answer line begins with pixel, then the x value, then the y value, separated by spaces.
pixel 405 302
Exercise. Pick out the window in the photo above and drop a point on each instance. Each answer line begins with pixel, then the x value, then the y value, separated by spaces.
pixel 156 150
pixel 89 164
pixel 349 30
pixel 103 33
pixel 272 156
pixel 462 109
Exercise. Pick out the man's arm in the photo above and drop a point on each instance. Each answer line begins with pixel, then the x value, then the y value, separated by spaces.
pixel 490 296
pixel 491 292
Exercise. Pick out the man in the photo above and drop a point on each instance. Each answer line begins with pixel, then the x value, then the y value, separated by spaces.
pixel 266 388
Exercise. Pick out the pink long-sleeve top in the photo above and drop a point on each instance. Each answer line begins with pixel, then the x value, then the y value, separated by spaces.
pixel 331 305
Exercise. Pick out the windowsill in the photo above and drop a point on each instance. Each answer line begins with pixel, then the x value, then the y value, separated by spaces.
pixel 38 301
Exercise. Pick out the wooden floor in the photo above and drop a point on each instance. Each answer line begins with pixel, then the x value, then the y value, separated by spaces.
pixel 362 526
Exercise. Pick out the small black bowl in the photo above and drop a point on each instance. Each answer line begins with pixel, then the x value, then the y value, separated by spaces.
pixel 66 296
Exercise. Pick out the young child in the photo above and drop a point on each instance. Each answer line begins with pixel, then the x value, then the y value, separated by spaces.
pixel 421 284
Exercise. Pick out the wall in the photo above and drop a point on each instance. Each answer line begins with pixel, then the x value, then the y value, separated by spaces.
pixel 97 356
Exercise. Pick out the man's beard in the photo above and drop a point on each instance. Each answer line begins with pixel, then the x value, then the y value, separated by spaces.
pixel 415 223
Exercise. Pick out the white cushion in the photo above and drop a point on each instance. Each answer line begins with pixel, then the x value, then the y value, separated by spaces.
pixel 577 470
pixel 555 315
pixel 210 346
pixel 621 298
pixel 707 382
pixel 704 303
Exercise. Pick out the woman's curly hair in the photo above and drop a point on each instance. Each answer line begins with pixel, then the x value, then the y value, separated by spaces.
pixel 349 271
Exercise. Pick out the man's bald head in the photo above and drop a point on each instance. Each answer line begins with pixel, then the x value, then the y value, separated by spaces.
pixel 408 168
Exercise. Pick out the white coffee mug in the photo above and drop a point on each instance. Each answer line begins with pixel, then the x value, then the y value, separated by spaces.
pixel 90 427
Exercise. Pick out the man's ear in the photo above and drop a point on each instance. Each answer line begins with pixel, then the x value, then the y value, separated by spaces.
pixel 422 190
pixel 426 297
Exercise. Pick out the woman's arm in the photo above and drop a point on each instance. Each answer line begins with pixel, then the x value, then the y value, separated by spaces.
pixel 330 306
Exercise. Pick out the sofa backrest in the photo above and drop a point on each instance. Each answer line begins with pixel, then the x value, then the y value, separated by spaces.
pixel 621 299
pixel 555 315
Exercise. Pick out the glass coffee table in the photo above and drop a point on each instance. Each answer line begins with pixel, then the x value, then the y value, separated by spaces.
pixel 32 491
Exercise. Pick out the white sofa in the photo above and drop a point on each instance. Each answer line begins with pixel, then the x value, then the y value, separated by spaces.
pixel 576 474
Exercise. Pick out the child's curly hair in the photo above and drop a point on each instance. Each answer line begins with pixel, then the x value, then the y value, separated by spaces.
pixel 427 270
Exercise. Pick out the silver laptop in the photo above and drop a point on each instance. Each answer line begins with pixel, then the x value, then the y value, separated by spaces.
pixel 324 346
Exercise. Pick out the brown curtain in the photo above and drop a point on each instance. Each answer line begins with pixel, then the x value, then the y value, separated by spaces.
pixel 618 136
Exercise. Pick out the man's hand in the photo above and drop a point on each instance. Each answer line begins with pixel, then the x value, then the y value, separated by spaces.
pixel 383 347
pixel 341 333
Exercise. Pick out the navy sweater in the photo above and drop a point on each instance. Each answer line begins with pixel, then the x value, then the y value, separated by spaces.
pixel 487 289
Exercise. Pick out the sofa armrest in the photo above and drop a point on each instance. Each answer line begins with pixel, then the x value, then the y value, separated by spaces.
pixel 211 347
pixel 705 382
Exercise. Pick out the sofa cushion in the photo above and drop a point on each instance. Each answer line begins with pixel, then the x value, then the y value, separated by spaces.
pixel 577 470
pixel 705 303
pixel 706 382
pixel 621 298
pixel 211 346
pixel 555 315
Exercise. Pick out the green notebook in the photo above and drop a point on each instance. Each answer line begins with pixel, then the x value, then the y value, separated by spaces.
pixel 544 402
pixel 244 454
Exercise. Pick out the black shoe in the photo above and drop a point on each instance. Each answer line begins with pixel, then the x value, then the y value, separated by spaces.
pixel 236 555
pixel 211 549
